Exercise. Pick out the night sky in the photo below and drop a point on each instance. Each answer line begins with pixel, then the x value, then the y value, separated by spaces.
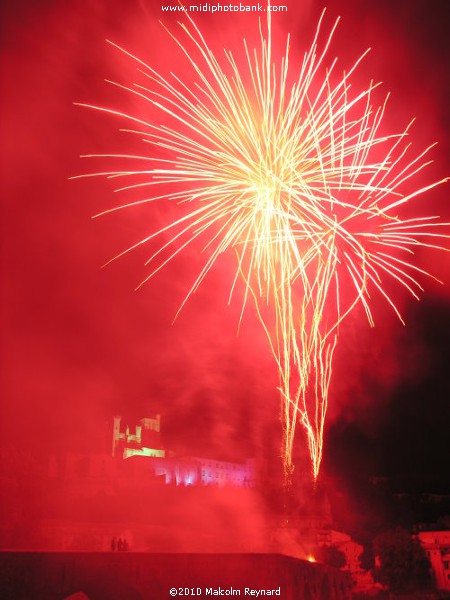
pixel 80 345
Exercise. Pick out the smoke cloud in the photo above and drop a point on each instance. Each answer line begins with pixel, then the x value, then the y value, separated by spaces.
pixel 79 344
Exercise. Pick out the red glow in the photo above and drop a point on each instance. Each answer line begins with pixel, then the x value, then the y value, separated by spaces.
pixel 79 345
pixel 298 177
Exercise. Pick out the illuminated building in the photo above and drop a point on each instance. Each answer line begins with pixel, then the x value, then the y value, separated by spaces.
pixel 352 551
pixel 222 473
pixel 204 471
pixel 437 547
pixel 144 442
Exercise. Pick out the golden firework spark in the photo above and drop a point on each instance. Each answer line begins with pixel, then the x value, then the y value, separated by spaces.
pixel 289 168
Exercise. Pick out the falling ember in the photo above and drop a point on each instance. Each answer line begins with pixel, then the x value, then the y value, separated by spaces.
pixel 288 167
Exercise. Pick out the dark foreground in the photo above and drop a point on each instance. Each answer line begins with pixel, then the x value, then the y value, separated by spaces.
pixel 145 576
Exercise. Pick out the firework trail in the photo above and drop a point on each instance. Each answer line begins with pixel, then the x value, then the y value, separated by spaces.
pixel 288 168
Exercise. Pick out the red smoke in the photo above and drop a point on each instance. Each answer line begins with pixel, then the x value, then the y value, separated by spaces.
pixel 79 345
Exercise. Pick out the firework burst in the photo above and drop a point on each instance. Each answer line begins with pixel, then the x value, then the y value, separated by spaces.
pixel 288 168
